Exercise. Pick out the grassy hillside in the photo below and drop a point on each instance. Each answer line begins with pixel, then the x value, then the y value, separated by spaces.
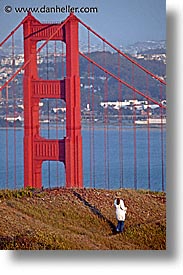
pixel 81 219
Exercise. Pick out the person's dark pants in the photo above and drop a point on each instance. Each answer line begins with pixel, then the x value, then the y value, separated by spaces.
pixel 120 226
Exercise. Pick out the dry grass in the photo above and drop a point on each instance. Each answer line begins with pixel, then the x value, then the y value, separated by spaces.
pixel 81 219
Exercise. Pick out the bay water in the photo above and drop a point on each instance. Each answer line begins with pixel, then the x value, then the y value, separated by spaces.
pixel 109 160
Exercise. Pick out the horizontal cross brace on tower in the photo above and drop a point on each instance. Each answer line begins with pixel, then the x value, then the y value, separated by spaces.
pixel 49 149
pixel 49 89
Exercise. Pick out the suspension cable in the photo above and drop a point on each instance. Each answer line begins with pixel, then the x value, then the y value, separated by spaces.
pixel 12 32
pixel 14 108
pixel 38 50
pixel 106 118
pixel 123 54
pixel 120 126
pixel 134 129
pixel 90 120
pixel 122 81
pixel 93 127
pixel 62 76
pixel 148 137
pixel 48 112
pixel 56 75
pixel 162 143
pixel 7 138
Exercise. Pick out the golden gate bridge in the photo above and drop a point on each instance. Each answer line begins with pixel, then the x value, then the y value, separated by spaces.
pixel 68 150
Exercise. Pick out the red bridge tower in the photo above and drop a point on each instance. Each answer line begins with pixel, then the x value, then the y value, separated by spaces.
pixel 36 148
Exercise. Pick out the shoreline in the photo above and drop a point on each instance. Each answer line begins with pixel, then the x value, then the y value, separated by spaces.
pixel 98 126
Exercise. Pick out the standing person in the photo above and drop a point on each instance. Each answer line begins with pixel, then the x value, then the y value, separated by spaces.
pixel 120 214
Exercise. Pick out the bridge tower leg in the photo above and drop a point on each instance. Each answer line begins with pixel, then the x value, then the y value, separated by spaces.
pixel 73 160
pixel 31 114
pixel 36 148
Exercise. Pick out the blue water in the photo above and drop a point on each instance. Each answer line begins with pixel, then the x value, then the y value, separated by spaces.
pixel 111 168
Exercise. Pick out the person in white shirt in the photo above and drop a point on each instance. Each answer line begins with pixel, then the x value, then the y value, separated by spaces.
pixel 120 214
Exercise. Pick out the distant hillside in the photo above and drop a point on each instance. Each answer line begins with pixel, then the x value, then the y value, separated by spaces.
pixel 82 219
pixel 155 51
pixel 129 74
pixel 151 45
pixel 93 79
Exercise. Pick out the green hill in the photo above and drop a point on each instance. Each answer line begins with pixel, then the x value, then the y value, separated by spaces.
pixel 81 219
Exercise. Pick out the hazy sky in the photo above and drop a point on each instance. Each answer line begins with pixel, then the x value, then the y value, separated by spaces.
pixel 119 21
